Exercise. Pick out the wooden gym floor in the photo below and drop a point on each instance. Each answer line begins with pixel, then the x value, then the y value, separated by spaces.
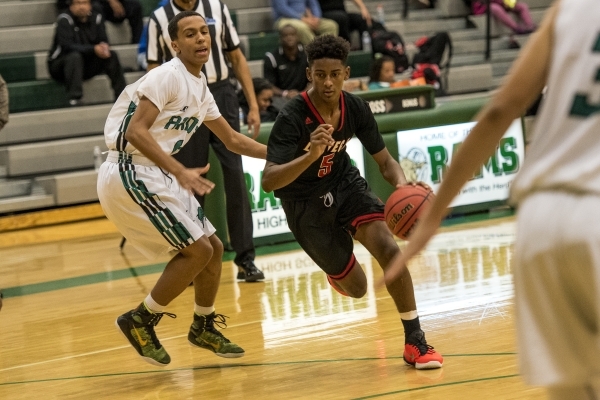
pixel 65 285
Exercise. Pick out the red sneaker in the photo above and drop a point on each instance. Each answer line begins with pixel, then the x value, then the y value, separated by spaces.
pixel 419 354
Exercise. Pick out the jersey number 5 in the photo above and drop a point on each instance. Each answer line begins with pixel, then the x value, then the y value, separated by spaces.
pixel 326 164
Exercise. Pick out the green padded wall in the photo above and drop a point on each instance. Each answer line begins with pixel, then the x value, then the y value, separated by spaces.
pixel 214 203
pixel 17 67
pixel 36 95
pixel 359 63
pixel 148 6
pixel 260 43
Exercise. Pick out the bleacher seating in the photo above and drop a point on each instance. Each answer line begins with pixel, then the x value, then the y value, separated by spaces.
pixel 46 150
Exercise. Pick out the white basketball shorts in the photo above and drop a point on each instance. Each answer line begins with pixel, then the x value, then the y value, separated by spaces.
pixel 148 206
pixel 557 275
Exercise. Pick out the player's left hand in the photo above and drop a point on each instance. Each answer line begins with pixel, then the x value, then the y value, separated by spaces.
pixel 253 124
pixel 191 179
pixel 426 228
pixel 417 183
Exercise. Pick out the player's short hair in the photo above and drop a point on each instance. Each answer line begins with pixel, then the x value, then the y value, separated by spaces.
pixel 174 23
pixel 328 46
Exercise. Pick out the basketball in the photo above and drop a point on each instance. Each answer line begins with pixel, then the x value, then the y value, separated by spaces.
pixel 403 208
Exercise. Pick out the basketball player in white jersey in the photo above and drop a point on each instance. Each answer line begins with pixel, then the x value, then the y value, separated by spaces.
pixel 557 253
pixel 150 196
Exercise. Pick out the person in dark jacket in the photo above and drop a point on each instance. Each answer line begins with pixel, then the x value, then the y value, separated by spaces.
pixel 285 66
pixel 116 11
pixel 80 51
pixel 263 89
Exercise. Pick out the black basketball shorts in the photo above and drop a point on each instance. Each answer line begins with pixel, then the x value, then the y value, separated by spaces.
pixel 324 225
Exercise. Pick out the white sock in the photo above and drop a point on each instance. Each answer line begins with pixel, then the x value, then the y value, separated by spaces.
pixel 199 310
pixel 152 305
pixel 408 316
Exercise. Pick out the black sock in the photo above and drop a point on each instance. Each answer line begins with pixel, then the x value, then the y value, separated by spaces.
pixel 410 326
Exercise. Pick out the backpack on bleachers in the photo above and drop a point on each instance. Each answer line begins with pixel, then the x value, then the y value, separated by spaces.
pixel 388 43
pixel 433 60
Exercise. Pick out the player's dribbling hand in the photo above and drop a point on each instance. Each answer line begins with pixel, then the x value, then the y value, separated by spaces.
pixel 320 138
pixel 191 179
pixel 426 228
pixel 419 183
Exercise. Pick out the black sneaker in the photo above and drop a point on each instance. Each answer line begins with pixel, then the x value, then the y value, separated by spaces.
pixel 249 273
pixel 138 327
pixel 203 334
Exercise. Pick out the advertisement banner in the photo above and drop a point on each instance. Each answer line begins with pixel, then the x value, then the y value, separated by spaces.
pixel 425 154
pixel 267 215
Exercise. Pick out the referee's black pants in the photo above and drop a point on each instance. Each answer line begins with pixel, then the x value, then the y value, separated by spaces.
pixel 195 154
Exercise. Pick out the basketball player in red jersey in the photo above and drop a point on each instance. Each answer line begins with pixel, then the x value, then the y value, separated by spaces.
pixel 326 201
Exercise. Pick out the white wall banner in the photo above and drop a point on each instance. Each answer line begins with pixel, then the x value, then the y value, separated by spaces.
pixel 267 215
pixel 425 154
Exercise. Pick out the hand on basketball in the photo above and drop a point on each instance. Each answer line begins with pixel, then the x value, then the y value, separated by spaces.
pixel 320 138
pixel 417 183
pixel 429 223
pixel 191 179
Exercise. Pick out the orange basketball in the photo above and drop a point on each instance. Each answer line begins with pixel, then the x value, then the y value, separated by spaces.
pixel 403 208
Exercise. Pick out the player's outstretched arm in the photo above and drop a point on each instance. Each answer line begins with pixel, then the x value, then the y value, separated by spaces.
pixel 526 79
pixel 276 176
pixel 139 136
pixel 235 141
pixel 389 168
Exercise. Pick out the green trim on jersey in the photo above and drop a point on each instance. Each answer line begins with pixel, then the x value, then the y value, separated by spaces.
pixel 121 142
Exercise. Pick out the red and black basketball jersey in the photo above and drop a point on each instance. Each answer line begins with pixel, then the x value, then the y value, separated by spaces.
pixel 290 139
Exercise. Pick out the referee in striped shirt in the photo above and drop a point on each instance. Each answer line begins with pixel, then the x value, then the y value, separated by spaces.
pixel 225 46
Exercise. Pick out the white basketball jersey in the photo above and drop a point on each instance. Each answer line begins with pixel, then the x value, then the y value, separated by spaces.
pixel 565 152
pixel 183 99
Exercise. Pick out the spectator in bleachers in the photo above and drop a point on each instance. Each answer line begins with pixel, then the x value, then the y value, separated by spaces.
pixel 285 67
pixel 3 103
pixel 501 10
pixel 347 21
pixel 80 51
pixel 263 89
pixel 116 11
pixel 382 73
pixel 305 16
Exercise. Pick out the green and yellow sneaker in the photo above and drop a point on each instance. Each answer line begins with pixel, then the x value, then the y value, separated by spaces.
pixel 138 327
pixel 203 334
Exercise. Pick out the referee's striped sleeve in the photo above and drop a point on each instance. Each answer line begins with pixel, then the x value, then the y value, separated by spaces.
pixel 154 53
pixel 231 40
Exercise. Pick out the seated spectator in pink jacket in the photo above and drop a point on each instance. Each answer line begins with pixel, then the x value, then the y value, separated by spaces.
pixel 501 10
